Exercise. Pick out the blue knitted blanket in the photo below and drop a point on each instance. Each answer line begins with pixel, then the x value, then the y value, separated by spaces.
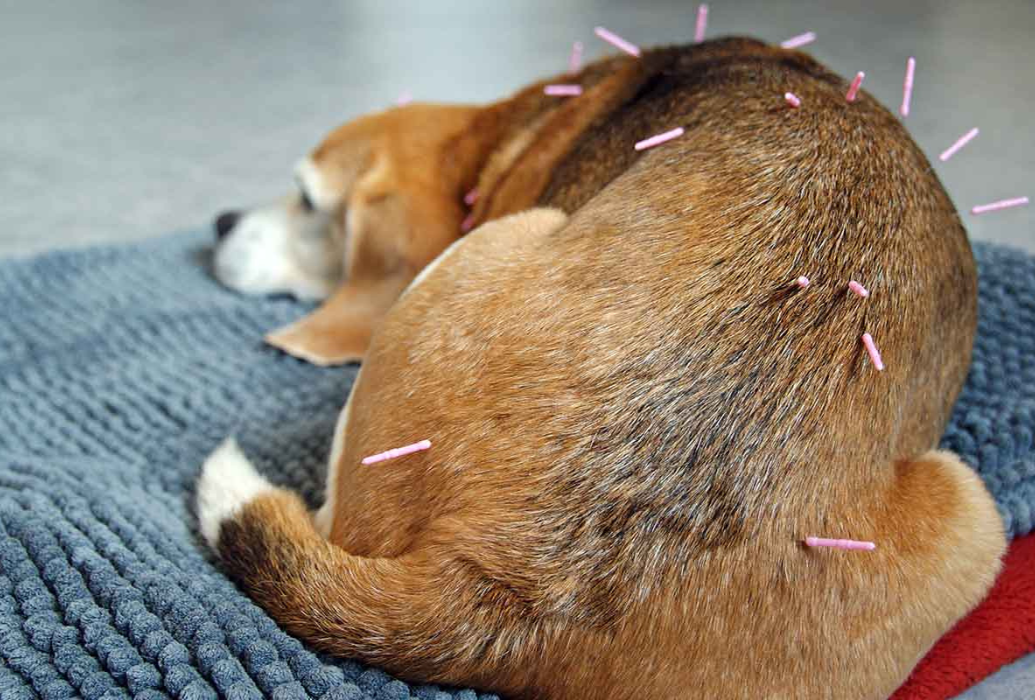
pixel 122 368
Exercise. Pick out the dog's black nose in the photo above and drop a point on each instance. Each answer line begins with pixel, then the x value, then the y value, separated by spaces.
pixel 225 223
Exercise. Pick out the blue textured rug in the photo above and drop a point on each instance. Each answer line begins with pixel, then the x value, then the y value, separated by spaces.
pixel 122 368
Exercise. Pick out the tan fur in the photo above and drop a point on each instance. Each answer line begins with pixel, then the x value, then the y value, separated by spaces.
pixel 402 175
pixel 399 213
pixel 637 418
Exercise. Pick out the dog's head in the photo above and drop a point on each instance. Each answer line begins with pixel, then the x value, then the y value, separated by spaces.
pixel 370 201
pixel 379 199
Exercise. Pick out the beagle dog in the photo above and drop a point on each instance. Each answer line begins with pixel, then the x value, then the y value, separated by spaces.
pixel 638 418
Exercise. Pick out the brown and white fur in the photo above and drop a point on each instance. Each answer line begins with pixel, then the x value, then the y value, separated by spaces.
pixel 637 417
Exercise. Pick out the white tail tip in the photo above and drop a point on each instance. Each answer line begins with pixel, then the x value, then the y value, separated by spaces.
pixel 227 483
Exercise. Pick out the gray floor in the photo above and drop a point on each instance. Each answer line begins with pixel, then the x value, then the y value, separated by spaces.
pixel 122 120
pixel 1015 682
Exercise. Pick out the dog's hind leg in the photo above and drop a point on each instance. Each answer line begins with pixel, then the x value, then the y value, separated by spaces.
pixel 949 535
pixel 937 556
pixel 378 511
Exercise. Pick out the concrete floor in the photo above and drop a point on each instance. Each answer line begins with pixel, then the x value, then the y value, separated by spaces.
pixel 124 120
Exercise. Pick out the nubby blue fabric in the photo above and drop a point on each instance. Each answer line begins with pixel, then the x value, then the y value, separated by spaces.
pixel 122 368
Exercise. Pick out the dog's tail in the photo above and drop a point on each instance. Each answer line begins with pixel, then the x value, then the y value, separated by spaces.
pixel 415 615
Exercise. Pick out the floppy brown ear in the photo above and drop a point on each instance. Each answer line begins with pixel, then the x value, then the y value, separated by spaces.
pixel 339 330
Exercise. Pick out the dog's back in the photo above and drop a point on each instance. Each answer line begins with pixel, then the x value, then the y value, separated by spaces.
pixel 638 417
pixel 739 412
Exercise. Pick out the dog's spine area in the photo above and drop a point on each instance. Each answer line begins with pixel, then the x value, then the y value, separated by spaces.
pixel 228 482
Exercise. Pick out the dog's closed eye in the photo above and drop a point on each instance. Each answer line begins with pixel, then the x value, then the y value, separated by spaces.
pixel 303 197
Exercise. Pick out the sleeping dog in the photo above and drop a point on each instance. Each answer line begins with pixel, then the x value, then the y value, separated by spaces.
pixel 637 416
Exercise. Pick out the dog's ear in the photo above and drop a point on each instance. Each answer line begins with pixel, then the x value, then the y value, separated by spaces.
pixel 339 330
pixel 398 218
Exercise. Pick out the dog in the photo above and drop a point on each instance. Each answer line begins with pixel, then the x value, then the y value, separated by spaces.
pixel 637 416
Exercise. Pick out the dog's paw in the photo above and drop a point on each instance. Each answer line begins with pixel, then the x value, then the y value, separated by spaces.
pixel 227 483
